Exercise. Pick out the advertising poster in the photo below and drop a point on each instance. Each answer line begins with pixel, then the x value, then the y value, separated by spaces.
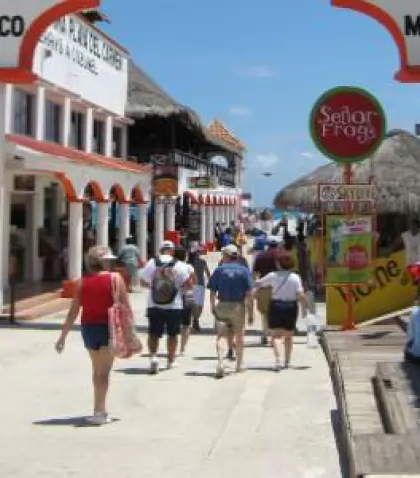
pixel 165 181
pixel 349 248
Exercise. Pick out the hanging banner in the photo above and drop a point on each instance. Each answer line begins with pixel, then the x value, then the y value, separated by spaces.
pixel 349 249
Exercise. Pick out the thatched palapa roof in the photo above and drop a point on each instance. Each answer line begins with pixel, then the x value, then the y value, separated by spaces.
pixel 395 169
pixel 146 98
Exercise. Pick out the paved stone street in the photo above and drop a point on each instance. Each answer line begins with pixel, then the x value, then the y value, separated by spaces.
pixel 181 423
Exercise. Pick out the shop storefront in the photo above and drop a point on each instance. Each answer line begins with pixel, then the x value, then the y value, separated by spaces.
pixel 66 181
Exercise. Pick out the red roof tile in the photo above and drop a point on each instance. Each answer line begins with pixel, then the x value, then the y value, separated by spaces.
pixel 74 155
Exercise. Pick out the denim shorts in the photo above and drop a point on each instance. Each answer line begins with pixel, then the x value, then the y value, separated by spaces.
pixel 95 336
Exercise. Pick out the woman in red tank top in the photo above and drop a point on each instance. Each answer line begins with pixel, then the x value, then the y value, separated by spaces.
pixel 93 296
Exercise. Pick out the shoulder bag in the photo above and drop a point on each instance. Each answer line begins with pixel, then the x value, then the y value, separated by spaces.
pixel 124 341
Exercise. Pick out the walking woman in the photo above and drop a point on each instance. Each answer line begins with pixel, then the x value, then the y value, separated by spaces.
pixel 180 254
pixel 287 292
pixel 202 273
pixel 94 297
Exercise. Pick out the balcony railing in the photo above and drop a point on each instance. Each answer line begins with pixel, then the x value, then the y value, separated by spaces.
pixel 225 176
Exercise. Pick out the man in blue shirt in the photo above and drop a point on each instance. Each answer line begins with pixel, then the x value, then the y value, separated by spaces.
pixel 231 298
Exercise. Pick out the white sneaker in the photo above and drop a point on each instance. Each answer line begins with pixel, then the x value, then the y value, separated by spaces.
pixel 98 419
pixel 154 367
pixel 277 366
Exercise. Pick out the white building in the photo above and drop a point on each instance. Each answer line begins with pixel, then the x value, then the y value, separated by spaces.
pixel 188 181
pixel 63 144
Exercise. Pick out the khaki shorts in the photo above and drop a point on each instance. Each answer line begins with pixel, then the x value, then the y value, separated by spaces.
pixel 263 297
pixel 230 314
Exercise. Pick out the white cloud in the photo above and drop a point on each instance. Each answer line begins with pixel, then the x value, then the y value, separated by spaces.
pixel 257 71
pixel 240 111
pixel 308 154
pixel 267 160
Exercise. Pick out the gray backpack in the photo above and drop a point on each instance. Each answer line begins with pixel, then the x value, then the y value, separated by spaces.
pixel 163 287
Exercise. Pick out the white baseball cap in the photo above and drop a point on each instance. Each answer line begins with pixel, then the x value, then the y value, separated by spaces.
pixel 230 250
pixel 167 245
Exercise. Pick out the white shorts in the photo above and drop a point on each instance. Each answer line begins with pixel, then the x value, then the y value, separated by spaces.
pixel 199 295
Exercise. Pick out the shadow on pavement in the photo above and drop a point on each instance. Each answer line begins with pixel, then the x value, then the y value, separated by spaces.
pixel 205 358
pixel 78 422
pixel 43 326
pixel 201 374
pixel 133 371
pixel 336 426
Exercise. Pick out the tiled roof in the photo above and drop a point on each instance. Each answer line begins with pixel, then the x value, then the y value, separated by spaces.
pixel 74 155
pixel 220 131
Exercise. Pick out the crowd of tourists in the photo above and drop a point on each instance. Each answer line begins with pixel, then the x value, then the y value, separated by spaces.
pixel 176 281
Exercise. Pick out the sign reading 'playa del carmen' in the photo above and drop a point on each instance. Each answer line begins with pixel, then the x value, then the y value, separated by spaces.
pixel 402 19
pixel 347 124
pixel 22 23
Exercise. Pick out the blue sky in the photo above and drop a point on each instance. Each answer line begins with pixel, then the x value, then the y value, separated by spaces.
pixel 259 66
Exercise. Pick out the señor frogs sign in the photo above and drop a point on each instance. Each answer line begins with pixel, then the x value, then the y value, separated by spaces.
pixel 347 124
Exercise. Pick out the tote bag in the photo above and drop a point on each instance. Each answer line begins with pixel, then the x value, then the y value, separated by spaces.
pixel 124 340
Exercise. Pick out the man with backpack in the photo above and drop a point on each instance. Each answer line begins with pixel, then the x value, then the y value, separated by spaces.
pixel 167 279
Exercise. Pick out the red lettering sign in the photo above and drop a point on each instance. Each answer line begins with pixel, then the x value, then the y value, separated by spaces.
pixel 347 124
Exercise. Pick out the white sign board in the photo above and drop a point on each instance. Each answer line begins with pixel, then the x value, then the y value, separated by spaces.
pixel 337 193
pixel 23 20
pixel 79 58
pixel 402 19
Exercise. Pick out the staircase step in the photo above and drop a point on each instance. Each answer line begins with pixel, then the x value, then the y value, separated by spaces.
pixel 32 302
pixel 44 309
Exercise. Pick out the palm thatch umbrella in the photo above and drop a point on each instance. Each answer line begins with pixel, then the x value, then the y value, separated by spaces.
pixel 394 168
pixel 146 99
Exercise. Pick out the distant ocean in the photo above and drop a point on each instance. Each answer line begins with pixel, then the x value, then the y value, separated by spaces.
pixel 279 213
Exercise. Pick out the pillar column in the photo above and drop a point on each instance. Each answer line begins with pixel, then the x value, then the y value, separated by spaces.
pixel 170 215
pixel 37 224
pixel 5 197
pixel 89 130
pixel 75 247
pixel 210 224
pixel 159 222
pixel 66 122
pixel 6 126
pixel 141 229
pixel 102 224
pixel 40 114
pixel 124 226
pixel 109 132
pixel 203 223
pixel 232 214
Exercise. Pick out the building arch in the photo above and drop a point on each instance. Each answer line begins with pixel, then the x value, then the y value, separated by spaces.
pixel 117 194
pixel 137 195
pixel 93 192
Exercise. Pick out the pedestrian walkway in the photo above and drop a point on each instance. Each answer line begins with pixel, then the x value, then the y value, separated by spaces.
pixel 180 423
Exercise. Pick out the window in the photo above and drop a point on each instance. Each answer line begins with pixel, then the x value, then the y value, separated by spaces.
pixel 53 122
pixel 117 137
pixel 98 144
pixel 23 119
pixel 77 130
